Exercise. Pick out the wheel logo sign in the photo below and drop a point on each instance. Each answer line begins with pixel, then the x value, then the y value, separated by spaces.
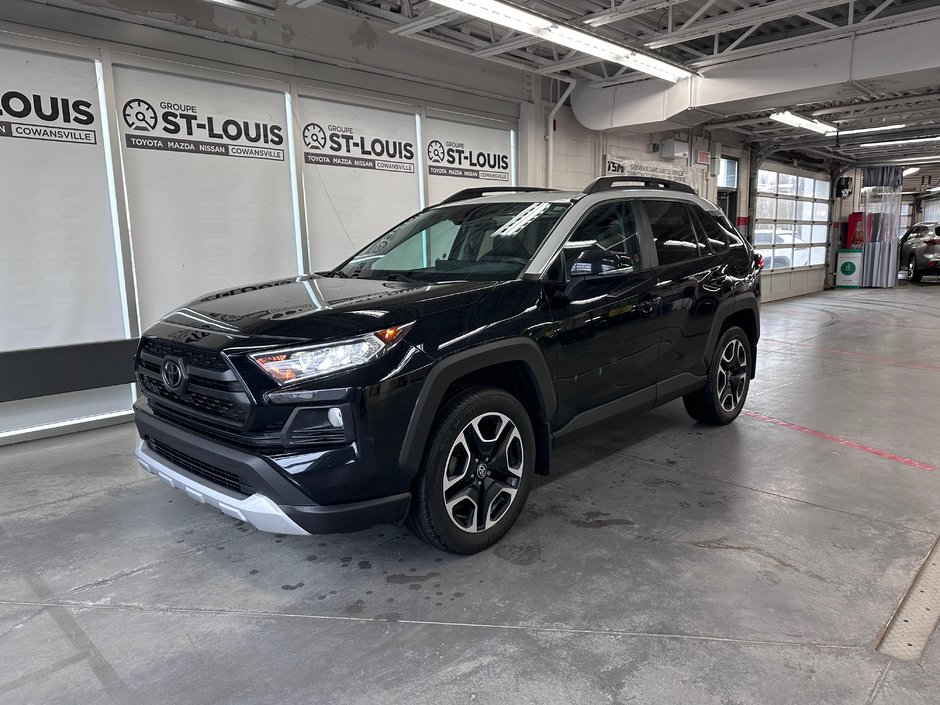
pixel 139 115
pixel 848 268
pixel 436 151
pixel 314 136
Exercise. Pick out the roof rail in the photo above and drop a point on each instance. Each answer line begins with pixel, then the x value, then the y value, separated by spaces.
pixel 607 183
pixel 469 193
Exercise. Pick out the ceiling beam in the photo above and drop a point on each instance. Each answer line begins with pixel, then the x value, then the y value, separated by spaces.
pixel 424 22
pixel 698 14
pixel 507 45
pixel 818 20
pixel 853 141
pixel 740 19
pixel 740 40
pixel 877 11
pixel 575 59
pixel 627 10
pixel 823 35
pixel 886 102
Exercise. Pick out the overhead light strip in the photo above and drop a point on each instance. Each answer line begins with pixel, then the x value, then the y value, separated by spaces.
pixel 910 172
pixel 246 6
pixel 788 118
pixel 512 17
pixel 901 143
pixel 862 130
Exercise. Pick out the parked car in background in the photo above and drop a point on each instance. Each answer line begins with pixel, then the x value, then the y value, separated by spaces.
pixel 767 237
pixel 426 379
pixel 920 251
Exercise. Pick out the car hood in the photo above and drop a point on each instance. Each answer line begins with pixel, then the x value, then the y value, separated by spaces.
pixel 314 308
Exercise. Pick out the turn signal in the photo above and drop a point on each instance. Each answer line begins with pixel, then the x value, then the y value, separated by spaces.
pixel 390 335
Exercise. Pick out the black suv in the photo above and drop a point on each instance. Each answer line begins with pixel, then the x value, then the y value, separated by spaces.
pixel 427 378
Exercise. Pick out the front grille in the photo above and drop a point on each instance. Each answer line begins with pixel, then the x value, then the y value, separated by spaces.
pixel 196 357
pixel 212 389
pixel 217 476
pixel 206 404
pixel 318 435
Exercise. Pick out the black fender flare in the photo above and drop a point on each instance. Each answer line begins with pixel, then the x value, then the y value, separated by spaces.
pixel 451 368
pixel 741 302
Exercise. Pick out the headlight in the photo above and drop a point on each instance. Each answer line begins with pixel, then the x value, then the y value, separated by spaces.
pixel 296 364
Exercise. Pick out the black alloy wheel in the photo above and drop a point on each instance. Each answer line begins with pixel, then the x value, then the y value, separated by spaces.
pixel 476 473
pixel 721 399
pixel 912 275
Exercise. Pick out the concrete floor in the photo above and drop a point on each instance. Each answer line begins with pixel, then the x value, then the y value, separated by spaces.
pixel 663 562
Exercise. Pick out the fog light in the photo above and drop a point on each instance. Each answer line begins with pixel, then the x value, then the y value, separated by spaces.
pixel 335 417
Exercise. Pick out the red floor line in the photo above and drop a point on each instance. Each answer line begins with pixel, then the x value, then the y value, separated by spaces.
pixel 861 357
pixel 841 441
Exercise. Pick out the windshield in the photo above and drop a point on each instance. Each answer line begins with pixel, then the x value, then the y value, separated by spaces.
pixel 489 242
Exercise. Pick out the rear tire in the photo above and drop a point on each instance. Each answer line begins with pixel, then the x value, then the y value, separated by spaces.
pixel 721 399
pixel 476 472
pixel 913 275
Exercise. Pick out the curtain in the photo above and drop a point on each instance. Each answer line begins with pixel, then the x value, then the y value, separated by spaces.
pixel 881 209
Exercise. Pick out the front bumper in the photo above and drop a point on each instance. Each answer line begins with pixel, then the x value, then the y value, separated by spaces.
pixel 257 510
pixel 264 497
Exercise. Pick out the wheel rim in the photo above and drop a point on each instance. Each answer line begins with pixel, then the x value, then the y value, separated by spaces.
pixel 732 375
pixel 910 268
pixel 483 472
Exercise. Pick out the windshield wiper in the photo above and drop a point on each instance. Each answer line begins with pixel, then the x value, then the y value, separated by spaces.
pixel 400 278
pixel 337 273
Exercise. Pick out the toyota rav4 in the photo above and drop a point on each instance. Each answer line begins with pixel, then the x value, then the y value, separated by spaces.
pixel 427 378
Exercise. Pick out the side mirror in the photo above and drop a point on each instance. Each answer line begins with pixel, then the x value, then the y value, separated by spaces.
pixel 591 262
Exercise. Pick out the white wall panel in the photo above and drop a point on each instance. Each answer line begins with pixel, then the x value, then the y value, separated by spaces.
pixel 360 174
pixel 59 280
pixel 208 186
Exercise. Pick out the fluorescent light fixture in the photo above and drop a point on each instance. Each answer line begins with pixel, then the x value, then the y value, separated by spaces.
pixel 255 8
pixel 861 130
pixel 900 143
pixel 512 17
pixel 934 189
pixel 788 118
pixel 910 172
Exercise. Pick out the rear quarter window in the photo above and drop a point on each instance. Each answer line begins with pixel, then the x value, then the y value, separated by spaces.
pixel 719 234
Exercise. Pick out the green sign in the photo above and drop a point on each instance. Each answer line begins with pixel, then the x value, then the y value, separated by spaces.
pixel 848 268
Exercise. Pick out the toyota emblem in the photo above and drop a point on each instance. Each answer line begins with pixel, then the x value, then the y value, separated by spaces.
pixel 172 373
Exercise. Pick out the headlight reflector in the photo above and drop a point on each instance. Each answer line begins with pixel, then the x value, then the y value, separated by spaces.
pixel 312 361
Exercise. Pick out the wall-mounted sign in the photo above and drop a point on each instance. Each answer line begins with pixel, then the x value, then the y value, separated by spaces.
pixel 702 156
pixel 360 174
pixel 30 115
pixel 169 125
pixel 472 154
pixel 59 281
pixel 694 176
pixel 352 145
pixel 200 222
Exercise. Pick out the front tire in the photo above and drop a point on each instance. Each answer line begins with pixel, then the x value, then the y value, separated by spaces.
pixel 721 399
pixel 476 472
pixel 913 275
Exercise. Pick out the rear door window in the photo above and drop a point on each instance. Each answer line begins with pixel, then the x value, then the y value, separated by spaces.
pixel 674 232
